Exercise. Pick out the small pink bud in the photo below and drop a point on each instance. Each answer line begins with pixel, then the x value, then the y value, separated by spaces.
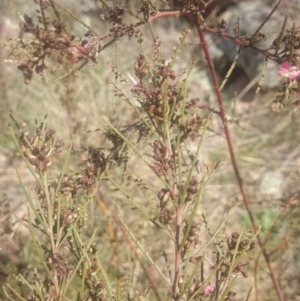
pixel 209 289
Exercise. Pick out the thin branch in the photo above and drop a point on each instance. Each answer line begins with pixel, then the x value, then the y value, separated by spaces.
pixel 200 30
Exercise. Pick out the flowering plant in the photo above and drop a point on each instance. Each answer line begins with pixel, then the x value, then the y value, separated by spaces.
pixel 289 71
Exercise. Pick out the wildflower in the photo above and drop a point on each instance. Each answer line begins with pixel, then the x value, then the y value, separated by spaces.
pixel 209 289
pixel 289 71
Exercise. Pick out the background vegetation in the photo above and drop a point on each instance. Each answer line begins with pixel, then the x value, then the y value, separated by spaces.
pixel 135 194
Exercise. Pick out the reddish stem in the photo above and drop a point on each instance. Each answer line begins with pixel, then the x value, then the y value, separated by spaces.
pixel 212 69
pixel 239 41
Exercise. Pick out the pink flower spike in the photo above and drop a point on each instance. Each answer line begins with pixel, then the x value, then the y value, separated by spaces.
pixel 209 289
pixel 289 71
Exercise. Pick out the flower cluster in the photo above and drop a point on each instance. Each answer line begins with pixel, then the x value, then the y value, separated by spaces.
pixel 39 149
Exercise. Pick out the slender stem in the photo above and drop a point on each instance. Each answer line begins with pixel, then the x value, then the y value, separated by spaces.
pixel 177 250
pixel 200 30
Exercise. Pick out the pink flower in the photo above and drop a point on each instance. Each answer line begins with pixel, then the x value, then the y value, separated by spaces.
pixel 209 289
pixel 289 71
